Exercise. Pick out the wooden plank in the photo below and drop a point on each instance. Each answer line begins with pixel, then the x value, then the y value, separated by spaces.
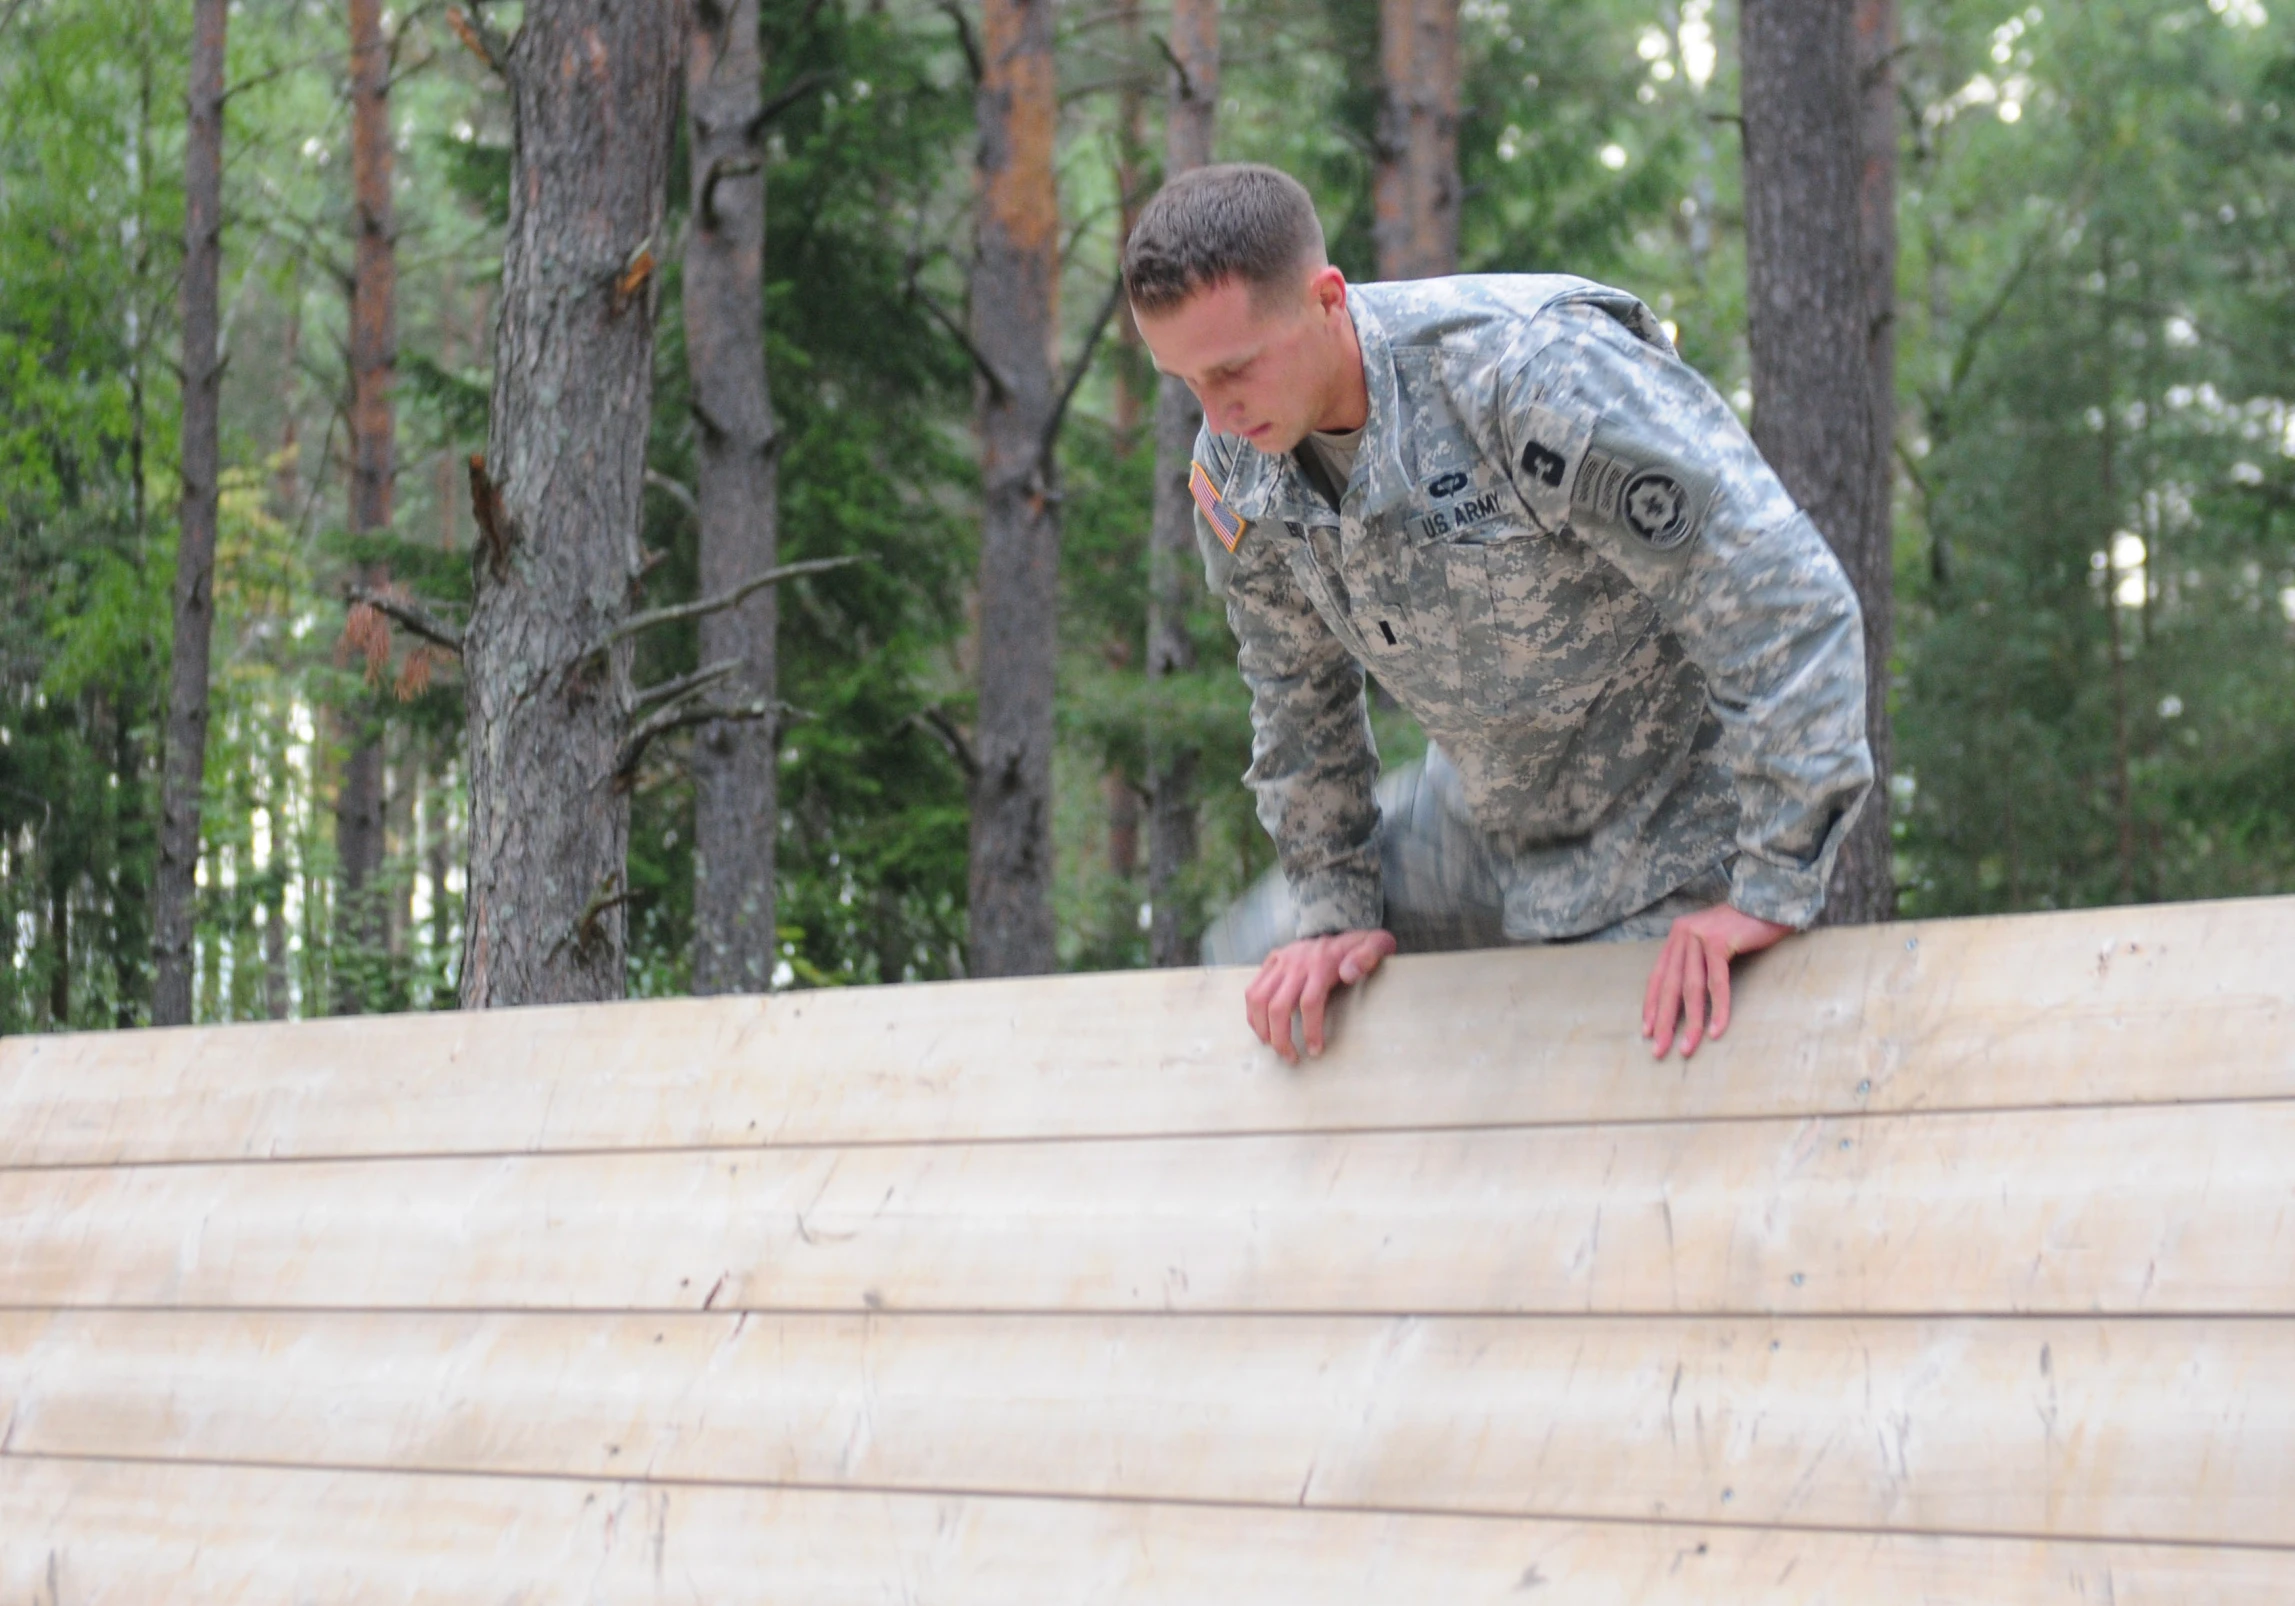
pixel 2167 1210
pixel 2161 1004
pixel 102 1534
pixel 2127 1430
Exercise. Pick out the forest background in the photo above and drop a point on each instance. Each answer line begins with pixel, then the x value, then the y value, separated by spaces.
pixel 2094 511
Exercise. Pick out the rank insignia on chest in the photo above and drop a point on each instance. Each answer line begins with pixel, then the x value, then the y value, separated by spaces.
pixel 1224 521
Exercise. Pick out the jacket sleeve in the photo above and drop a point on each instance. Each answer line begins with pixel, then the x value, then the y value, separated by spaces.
pixel 1313 761
pixel 1609 432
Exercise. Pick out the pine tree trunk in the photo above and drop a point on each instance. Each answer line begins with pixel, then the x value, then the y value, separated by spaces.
pixel 1015 321
pixel 1190 117
pixel 1415 191
pixel 736 813
pixel 361 916
pixel 593 89
pixel 1118 789
pixel 1866 889
pixel 60 947
pixel 275 995
pixel 438 812
pixel 2108 492
pixel 127 931
pixel 1810 317
pixel 185 771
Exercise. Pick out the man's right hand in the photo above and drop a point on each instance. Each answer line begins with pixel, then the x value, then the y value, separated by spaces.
pixel 1302 977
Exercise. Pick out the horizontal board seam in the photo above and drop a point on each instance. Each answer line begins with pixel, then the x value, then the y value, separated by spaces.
pixel 1087 1139
pixel 872 1490
pixel 723 1312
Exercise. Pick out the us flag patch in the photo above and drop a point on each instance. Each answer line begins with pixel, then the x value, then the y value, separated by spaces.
pixel 1221 517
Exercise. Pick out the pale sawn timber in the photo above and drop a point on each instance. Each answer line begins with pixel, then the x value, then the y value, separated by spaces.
pixel 1967 1426
pixel 2130 1210
pixel 123 1534
pixel 2117 1006
pixel 1962 1270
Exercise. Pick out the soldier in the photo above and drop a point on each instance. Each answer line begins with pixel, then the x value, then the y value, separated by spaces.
pixel 1639 666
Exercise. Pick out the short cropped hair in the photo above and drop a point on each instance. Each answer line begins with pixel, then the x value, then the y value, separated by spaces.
pixel 1237 220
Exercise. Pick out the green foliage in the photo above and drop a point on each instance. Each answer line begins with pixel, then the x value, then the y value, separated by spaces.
pixel 2095 616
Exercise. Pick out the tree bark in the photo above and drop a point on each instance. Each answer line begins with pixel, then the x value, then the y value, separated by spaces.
pixel 1118 789
pixel 1415 191
pixel 1015 323
pixel 736 813
pixel 185 771
pixel 1190 120
pixel 593 90
pixel 437 816
pixel 60 945
pixel 1810 280
pixel 1867 887
pixel 2108 489
pixel 361 918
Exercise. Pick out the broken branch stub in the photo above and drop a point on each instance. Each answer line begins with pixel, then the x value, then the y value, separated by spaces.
pixel 682 611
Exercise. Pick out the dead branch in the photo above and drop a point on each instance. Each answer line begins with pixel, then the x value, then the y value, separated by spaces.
pixel 584 929
pixel 799 87
pixel 676 491
pixel 685 716
pixel 410 615
pixel 966 39
pixel 1076 374
pixel 719 171
pixel 942 727
pixel 670 691
pixel 1186 85
pixel 636 270
pixel 481 40
pixel 998 385
pixel 495 532
pixel 683 611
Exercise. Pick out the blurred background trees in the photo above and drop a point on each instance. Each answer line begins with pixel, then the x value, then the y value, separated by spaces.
pixel 2093 672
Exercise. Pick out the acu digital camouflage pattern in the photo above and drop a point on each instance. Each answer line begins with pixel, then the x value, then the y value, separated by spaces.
pixel 1561 552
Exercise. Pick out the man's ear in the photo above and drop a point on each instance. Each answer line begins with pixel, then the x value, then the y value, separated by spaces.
pixel 1327 288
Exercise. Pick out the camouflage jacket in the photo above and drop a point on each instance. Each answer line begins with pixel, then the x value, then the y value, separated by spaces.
pixel 1561 552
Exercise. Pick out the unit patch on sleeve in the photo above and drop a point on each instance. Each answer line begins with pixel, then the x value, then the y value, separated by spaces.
pixel 1224 521
pixel 1662 510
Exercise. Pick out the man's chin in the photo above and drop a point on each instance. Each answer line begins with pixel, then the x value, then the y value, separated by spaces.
pixel 1270 442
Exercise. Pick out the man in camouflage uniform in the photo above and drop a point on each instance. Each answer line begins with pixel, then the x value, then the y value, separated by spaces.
pixel 1639 665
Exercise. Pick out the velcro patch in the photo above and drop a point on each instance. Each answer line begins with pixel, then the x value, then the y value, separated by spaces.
pixel 1225 522
pixel 1663 510
pixel 1552 446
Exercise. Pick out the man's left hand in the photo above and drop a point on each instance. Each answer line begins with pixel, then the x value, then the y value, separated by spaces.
pixel 1692 975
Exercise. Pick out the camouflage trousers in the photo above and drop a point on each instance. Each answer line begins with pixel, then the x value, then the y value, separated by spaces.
pixel 1443 881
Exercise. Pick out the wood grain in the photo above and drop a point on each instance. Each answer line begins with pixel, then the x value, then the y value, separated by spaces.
pixel 2161 1210
pixel 2147 1430
pixel 102 1534
pixel 2152 1005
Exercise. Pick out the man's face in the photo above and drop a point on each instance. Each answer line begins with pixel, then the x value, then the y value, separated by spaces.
pixel 1264 366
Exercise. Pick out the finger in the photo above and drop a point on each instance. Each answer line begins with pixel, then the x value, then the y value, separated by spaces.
pixel 1717 977
pixel 1312 997
pixel 1255 999
pixel 1280 1006
pixel 1669 998
pixel 1692 997
pixel 1650 989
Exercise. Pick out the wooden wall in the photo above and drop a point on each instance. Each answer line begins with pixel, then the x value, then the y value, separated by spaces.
pixel 1962 1270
